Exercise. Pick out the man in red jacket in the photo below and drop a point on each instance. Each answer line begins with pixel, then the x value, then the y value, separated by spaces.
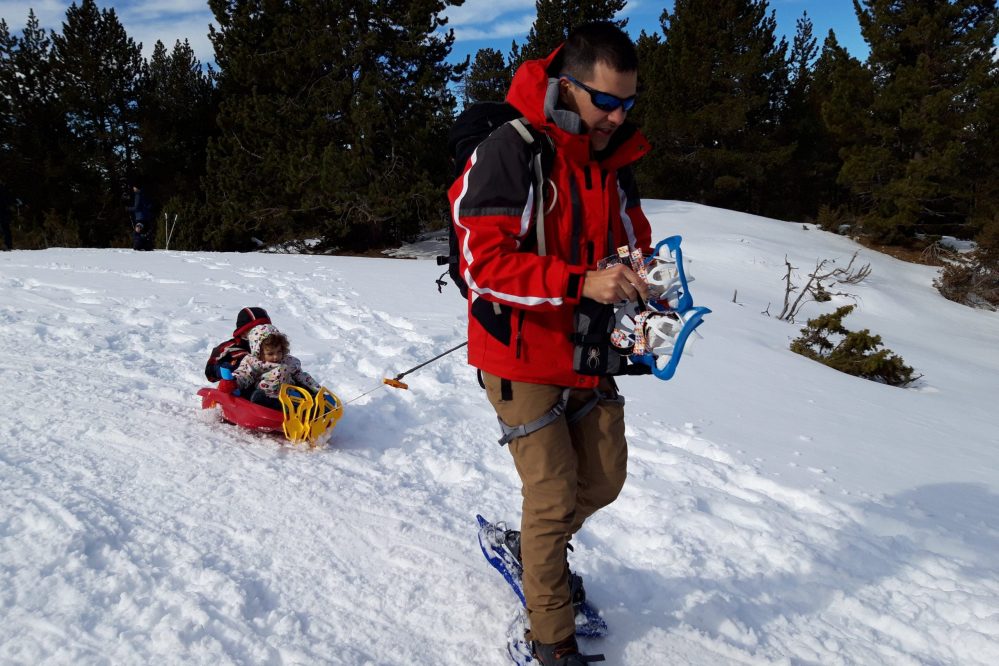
pixel 524 305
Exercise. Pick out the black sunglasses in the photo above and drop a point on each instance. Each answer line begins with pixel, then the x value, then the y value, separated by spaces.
pixel 604 101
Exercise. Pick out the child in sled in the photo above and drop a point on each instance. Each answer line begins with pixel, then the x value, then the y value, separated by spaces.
pixel 231 352
pixel 268 365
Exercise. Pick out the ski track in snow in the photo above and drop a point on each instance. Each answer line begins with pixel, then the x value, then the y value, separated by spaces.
pixel 136 528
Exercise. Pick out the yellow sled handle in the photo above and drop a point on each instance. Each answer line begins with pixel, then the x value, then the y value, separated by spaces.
pixel 306 419
pixel 326 411
pixel 296 404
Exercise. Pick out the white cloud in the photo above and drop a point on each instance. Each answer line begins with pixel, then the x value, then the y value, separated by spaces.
pixel 168 22
pixel 517 27
pixel 50 13
pixel 153 10
pixel 193 29
pixel 479 12
pixel 144 21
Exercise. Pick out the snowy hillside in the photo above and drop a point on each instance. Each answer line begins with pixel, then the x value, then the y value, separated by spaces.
pixel 776 512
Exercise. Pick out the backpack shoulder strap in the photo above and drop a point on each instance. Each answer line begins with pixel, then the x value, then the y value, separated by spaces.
pixel 539 165
pixel 522 125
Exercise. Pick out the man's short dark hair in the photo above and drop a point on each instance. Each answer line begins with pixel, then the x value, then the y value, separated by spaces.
pixel 600 41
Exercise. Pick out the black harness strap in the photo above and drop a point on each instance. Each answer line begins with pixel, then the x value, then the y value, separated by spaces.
pixel 511 433
pixel 546 419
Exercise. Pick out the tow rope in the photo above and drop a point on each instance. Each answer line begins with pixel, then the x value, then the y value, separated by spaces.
pixel 395 382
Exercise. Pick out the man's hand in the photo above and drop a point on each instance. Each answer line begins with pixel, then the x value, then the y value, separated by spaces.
pixel 613 285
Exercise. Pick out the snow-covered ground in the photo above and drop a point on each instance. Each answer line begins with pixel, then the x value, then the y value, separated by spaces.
pixel 777 512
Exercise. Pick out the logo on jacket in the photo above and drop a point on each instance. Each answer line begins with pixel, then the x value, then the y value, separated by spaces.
pixel 593 357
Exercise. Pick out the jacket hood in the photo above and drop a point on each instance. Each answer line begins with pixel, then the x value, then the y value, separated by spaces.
pixel 534 92
pixel 257 335
pixel 530 88
pixel 248 318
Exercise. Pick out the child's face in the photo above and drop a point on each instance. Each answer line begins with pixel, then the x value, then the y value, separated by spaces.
pixel 271 354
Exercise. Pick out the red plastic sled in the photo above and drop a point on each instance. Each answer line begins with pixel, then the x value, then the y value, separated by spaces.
pixel 241 411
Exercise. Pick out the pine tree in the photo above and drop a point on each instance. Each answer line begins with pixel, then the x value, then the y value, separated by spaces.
pixel 808 184
pixel 711 101
pixel 99 72
pixel 8 84
pixel 556 18
pixel 39 154
pixel 984 128
pixel 984 155
pixel 931 63
pixel 843 93
pixel 974 278
pixel 177 119
pixel 332 120
pixel 800 126
pixel 804 49
pixel 488 79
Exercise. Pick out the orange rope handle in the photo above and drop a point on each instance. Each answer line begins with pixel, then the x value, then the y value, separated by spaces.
pixel 395 383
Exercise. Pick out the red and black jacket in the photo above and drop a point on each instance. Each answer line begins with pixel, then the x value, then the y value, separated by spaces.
pixel 232 351
pixel 521 304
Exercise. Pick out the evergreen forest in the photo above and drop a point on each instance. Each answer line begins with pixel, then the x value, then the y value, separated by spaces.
pixel 329 120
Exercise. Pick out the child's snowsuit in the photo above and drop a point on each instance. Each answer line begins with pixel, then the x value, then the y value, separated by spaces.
pixel 254 373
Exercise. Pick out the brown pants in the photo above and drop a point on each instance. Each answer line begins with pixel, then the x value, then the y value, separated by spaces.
pixel 567 472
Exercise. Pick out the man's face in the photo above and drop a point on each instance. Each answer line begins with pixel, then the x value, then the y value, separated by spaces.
pixel 600 124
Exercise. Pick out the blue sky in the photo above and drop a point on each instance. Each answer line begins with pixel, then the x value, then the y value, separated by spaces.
pixel 477 24
pixel 496 23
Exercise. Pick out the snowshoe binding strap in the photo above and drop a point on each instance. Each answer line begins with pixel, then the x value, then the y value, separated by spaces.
pixel 660 330
pixel 664 283
pixel 665 337
pixel 623 336
pixel 668 252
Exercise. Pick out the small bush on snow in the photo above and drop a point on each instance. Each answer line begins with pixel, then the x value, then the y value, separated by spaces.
pixel 856 353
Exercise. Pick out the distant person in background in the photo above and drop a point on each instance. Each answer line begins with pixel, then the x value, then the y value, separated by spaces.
pixel 6 201
pixel 142 222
